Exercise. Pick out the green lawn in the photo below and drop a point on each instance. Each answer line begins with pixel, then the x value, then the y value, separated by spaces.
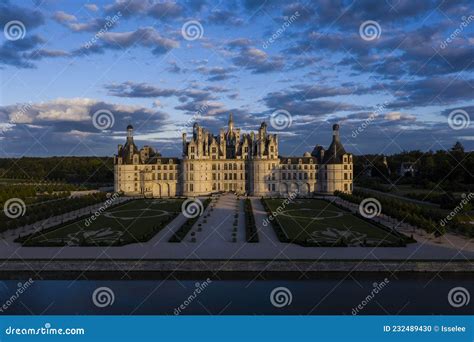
pixel 134 221
pixel 316 222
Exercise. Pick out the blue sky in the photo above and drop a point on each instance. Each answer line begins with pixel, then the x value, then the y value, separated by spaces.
pixel 390 72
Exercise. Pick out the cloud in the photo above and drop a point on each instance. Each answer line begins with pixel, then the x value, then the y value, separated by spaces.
pixel 145 90
pixel 65 124
pixel 63 17
pixel 251 58
pixel 131 89
pixel 19 53
pixel 30 18
pixel 398 116
pixel 429 92
pixel 145 37
pixel 92 7
pixel 216 73
pixel 224 17
pixel 158 10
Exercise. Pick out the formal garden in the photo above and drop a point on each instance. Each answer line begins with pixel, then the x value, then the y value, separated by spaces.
pixel 316 222
pixel 130 222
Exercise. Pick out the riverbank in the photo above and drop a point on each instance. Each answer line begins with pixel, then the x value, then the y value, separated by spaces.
pixel 220 269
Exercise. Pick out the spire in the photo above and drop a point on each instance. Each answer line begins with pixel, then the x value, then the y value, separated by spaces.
pixel 231 122
pixel 333 155
pixel 129 132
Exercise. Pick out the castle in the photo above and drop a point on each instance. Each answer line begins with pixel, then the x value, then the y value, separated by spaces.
pixel 231 161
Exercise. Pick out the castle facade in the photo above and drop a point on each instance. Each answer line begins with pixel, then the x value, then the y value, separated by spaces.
pixel 231 161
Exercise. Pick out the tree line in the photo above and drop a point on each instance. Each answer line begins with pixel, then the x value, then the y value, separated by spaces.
pixel 66 169
pixel 448 170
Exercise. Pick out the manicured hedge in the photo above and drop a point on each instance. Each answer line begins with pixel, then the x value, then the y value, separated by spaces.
pixel 251 233
pixel 182 231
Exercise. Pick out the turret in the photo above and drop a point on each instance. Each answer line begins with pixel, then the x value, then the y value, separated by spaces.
pixel 129 132
pixel 333 155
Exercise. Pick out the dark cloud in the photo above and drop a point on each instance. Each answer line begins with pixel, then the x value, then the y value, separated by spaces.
pixel 16 52
pixel 131 89
pixel 28 17
pixel 216 73
pixel 429 92
pixel 156 9
pixel 145 37
pixel 253 59
pixel 65 126
pixel 224 17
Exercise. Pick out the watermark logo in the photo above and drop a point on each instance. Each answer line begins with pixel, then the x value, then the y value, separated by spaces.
pixel 370 207
pixel 281 119
pixel 280 208
pixel 14 30
pixel 370 30
pixel 22 287
pixel 109 23
pixel 192 30
pixel 280 297
pixel 458 296
pixel 192 207
pixel 200 287
pixel 377 287
pixel 103 119
pixel 464 24
pixel 196 116
pixel 277 34
pixel 458 119
pixel 110 201
pixel 378 110
pixel 465 200
pixel 14 208
pixel 103 296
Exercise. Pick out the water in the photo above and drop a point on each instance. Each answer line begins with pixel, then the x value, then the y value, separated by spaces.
pixel 410 294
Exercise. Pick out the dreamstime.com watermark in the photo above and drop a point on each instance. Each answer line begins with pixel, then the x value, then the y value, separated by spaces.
pixel 457 209
pixel 378 110
pixel 109 23
pixel 104 207
pixel 281 297
pixel 464 24
pixel 200 287
pixel 280 208
pixel 24 109
pixel 14 208
pixel 196 116
pixel 22 287
pixel 46 330
pixel 370 207
pixel 277 34
pixel 377 288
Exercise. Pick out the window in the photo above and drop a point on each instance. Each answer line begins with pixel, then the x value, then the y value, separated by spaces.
pixel 273 187
pixel 192 149
pixel 345 176
pixel 345 187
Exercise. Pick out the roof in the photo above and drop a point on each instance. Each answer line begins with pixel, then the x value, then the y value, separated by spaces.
pixel 296 160
pixel 333 155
